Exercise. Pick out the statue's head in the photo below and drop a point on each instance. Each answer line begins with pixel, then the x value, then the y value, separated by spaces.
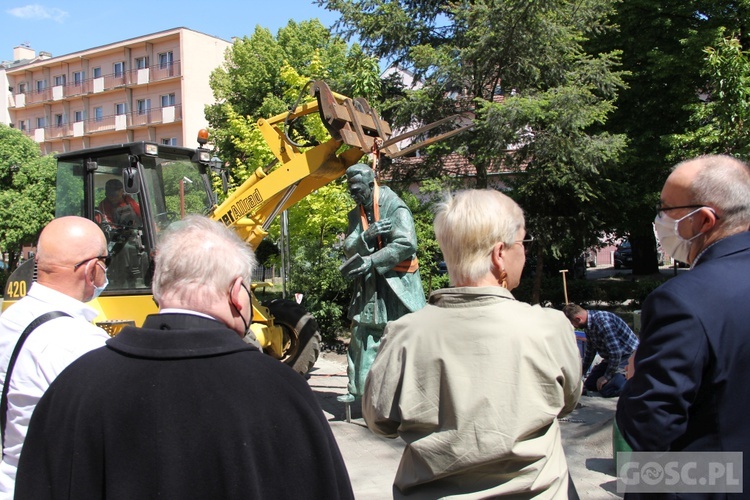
pixel 360 179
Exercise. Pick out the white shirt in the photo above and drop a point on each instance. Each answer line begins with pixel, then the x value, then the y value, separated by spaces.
pixel 47 351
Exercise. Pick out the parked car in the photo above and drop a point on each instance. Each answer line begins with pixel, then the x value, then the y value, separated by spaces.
pixel 623 255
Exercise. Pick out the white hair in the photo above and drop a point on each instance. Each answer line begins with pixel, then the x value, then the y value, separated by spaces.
pixel 723 182
pixel 468 224
pixel 197 260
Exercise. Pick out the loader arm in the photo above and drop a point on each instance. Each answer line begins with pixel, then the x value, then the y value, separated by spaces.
pixel 355 129
pixel 253 206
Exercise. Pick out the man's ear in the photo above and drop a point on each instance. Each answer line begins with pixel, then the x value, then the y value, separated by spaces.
pixel 234 293
pixel 90 272
pixel 709 220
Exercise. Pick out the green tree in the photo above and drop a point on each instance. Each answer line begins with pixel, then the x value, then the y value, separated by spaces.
pixel 317 225
pixel 264 76
pixel 662 44
pixel 556 97
pixel 718 120
pixel 27 191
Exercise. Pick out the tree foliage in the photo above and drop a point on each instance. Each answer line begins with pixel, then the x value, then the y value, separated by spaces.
pixel 663 45
pixel 27 191
pixel 556 96
pixel 264 76
pixel 718 121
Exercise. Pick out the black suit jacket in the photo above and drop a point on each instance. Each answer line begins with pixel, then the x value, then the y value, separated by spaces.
pixel 181 408
pixel 691 387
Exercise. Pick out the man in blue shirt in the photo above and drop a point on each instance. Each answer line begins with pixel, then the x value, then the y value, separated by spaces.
pixel 609 336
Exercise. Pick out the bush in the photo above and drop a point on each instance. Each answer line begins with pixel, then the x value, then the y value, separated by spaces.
pixel 326 293
pixel 610 292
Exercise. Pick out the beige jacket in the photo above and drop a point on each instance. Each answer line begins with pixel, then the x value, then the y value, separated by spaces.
pixel 474 384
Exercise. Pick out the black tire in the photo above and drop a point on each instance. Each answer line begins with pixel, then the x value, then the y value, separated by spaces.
pixel 301 334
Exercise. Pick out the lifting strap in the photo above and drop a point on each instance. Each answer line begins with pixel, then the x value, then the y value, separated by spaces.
pixel 409 265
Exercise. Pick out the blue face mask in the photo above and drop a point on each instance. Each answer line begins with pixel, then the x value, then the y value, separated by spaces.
pixel 99 289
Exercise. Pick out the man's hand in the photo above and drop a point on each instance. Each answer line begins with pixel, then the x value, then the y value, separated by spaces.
pixel 601 382
pixel 366 265
pixel 631 367
pixel 383 226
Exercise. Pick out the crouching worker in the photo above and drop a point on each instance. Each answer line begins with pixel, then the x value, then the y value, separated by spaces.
pixel 182 407
pixel 610 337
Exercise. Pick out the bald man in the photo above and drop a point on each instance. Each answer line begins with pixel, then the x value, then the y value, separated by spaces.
pixel 689 391
pixel 72 269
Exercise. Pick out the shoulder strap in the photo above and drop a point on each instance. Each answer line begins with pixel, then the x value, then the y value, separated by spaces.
pixel 4 401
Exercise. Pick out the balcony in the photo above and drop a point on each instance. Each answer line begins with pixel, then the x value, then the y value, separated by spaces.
pixel 111 123
pixel 143 76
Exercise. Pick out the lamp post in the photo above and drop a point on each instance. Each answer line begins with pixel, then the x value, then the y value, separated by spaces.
pixel 182 195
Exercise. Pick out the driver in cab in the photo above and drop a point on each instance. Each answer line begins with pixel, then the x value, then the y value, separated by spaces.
pixel 118 208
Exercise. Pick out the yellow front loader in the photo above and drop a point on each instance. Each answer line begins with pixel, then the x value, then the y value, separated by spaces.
pixel 168 182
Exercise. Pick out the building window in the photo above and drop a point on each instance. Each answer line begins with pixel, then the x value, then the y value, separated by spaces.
pixel 98 114
pixel 22 88
pixel 119 68
pixel 60 81
pixel 165 60
pixel 167 100
pixel 23 125
pixel 78 77
pixel 120 108
pixel 78 116
pixel 141 63
pixel 172 141
pixel 41 85
pixel 144 106
pixel 97 72
pixel 58 121
pixel 40 123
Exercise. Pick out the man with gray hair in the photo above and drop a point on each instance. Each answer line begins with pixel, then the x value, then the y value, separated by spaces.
pixel 690 390
pixel 182 407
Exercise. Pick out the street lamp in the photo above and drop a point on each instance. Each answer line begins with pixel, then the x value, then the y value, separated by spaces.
pixel 182 195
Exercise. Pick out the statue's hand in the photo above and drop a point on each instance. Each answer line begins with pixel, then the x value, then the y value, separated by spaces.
pixel 382 226
pixel 366 265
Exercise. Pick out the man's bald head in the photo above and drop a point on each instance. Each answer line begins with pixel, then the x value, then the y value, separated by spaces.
pixel 63 243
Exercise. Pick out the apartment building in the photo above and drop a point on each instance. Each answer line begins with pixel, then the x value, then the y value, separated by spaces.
pixel 149 88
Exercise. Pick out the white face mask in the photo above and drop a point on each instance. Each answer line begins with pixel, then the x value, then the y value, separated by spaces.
pixel 668 232
pixel 99 289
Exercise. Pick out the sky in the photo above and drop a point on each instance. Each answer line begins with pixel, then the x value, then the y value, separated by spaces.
pixel 62 27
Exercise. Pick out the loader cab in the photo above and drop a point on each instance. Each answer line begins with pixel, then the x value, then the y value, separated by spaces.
pixel 133 191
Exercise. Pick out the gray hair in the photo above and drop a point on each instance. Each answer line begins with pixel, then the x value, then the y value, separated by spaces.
pixel 468 224
pixel 197 260
pixel 723 182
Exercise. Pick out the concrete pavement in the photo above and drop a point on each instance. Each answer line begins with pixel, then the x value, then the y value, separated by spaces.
pixel 372 461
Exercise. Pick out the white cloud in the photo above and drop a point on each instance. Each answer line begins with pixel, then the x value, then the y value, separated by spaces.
pixel 37 11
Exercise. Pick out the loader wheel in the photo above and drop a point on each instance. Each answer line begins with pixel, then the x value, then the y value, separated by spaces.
pixel 301 334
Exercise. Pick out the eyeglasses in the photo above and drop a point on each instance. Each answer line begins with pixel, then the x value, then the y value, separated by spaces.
pixel 526 242
pixel 659 208
pixel 106 259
